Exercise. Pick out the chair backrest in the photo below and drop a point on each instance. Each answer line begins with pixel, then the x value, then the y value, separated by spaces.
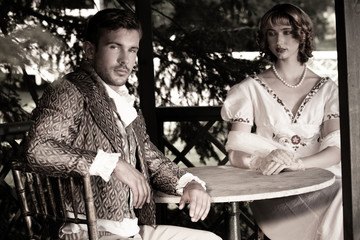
pixel 43 204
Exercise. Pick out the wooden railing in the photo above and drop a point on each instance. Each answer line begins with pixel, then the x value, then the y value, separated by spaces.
pixel 13 131
pixel 202 119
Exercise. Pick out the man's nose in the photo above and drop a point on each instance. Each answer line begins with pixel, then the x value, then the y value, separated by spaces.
pixel 123 57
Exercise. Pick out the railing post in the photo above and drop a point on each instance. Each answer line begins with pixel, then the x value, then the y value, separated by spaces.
pixel 146 69
pixel 348 34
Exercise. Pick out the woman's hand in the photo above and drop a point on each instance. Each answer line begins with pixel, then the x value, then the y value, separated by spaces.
pixel 276 161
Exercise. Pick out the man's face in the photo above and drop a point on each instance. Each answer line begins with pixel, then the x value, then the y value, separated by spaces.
pixel 115 55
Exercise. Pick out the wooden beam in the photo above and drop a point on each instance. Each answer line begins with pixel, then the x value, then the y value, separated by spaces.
pixel 13 131
pixel 191 113
pixel 348 35
pixel 146 69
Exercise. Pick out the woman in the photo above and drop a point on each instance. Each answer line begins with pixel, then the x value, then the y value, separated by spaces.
pixel 296 115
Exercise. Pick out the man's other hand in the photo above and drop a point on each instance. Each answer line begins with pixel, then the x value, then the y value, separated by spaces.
pixel 199 201
pixel 135 180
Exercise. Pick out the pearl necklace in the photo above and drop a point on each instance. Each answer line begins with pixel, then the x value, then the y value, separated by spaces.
pixel 287 84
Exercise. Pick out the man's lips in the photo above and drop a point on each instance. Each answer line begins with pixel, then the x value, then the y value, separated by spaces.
pixel 121 70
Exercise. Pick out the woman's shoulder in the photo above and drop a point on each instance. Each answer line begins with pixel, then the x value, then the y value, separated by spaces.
pixel 246 82
pixel 266 74
pixel 324 82
pixel 319 78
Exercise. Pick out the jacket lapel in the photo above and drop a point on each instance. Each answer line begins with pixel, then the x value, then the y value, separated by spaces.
pixel 99 107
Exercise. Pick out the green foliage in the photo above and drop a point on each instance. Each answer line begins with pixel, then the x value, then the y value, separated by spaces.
pixel 34 42
pixel 194 49
pixel 194 42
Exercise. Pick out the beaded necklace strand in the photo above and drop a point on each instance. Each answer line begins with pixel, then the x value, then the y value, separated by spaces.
pixel 286 83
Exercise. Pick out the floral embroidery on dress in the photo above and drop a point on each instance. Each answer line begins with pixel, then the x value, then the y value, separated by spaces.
pixel 309 96
pixel 295 141
pixel 240 120
pixel 307 99
pixel 332 116
pixel 273 94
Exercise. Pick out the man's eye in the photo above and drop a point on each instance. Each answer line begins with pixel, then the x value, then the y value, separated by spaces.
pixel 113 47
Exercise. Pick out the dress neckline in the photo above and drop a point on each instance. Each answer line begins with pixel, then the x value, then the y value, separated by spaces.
pixel 307 98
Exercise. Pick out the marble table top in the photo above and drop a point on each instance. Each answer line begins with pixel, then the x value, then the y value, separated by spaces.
pixel 230 184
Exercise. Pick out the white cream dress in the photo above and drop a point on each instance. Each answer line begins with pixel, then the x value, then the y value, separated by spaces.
pixel 316 215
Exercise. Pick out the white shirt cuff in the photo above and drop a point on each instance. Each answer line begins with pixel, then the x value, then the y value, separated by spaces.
pixel 104 164
pixel 185 179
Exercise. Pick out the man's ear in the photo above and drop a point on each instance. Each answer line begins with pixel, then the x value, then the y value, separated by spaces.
pixel 89 50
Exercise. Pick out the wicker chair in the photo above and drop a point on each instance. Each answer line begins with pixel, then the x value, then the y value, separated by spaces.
pixel 42 202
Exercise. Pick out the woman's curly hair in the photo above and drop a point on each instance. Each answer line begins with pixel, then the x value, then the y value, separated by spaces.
pixel 301 24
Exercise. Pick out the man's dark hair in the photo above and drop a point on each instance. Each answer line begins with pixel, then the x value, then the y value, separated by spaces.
pixel 110 19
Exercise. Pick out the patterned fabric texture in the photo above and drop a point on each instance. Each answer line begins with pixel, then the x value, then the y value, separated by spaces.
pixel 72 121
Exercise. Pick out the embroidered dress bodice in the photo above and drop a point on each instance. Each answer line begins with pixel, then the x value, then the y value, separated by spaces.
pixel 253 102
pixel 316 215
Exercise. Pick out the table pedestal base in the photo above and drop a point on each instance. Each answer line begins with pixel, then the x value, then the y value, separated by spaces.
pixel 233 212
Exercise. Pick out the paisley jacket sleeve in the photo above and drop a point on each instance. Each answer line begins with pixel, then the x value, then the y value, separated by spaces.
pixel 163 173
pixel 56 121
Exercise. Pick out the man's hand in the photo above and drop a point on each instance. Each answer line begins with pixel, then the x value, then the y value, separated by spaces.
pixel 135 180
pixel 198 199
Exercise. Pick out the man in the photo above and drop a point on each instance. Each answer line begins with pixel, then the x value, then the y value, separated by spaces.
pixel 86 123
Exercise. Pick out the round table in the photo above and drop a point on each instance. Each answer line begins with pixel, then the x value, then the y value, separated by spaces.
pixel 227 184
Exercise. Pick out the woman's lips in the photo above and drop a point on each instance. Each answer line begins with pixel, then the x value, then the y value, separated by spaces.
pixel 280 50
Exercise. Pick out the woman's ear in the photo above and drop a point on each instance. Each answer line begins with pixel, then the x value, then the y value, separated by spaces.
pixel 89 50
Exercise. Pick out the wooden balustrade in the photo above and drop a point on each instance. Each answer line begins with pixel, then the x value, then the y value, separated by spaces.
pixel 195 115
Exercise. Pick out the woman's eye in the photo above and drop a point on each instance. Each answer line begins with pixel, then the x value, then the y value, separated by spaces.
pixel 271 33
pixel 287 32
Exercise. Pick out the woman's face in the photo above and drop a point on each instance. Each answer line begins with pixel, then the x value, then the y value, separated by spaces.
pixel 282 42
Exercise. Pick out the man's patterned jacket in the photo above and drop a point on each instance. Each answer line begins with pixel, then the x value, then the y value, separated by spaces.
pixel 72 121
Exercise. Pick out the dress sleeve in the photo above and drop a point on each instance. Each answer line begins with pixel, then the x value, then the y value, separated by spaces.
pixel 237 106
pixel 331 108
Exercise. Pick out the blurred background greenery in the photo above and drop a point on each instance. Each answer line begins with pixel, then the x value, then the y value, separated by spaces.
pixel 194 45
